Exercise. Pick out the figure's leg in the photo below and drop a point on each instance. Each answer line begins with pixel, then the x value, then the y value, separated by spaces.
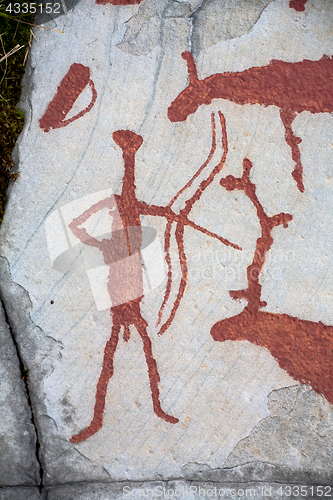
pixel 153 374
pixel 293 141
pixel 107 372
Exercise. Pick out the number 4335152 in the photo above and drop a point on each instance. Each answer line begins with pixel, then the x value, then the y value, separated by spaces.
pixel 33 8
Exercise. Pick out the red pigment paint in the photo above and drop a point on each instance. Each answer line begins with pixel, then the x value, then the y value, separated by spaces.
pixel 75 81
pixel 123 244
pixel 298 5
pixel 119 2
pixel 292 87
pixel 303 348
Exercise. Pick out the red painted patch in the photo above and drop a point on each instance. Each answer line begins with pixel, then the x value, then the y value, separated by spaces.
pixel 292 87
pixel 75 81
pixel 298 5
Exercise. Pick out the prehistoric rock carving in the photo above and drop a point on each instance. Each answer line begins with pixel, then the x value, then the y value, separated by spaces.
pixel 125 279
pixel 292 87
pixel 75 81
pixel 303 348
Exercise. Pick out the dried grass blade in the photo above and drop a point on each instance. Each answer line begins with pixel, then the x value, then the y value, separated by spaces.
pixel 33 34
pixel 11 52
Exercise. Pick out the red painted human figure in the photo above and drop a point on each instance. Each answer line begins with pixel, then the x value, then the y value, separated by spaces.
pixel 122 255
pixel 125 279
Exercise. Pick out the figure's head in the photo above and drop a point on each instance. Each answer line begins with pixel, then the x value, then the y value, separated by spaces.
pixel 128 141
pixel 192 97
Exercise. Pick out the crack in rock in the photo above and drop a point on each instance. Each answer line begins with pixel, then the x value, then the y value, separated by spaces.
pixel 60 462
pixel 297 435
pixel 19 458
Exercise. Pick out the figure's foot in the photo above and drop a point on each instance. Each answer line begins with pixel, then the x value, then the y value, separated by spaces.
pixel 171 419
pixel 168 418
pixel 89 431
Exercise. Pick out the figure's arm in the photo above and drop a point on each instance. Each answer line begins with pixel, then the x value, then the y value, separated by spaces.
pixel 80 232
pixel 226 242
pixel 166 212
pixel 157 211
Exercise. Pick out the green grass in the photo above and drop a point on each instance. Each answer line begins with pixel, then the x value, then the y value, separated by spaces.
pixel 11 72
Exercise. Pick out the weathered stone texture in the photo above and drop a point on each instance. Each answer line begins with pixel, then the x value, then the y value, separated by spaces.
pixel 18 464
pixel 16 493
pixel 242 417
pixel 299 429
pixel 218 20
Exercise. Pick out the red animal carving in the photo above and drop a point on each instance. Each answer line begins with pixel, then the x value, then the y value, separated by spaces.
pixel 303 348
pixel 125 278
pixel 71 86
pixel 292 87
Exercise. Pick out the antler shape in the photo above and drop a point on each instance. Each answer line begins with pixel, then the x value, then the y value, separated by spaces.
pixel 253 292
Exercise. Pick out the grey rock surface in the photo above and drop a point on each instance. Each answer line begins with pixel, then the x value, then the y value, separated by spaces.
pixel 18 463
pixel 228 396
pixel 184 490
pixel 30 338
pixel 211 21
pixel 17 493
pixel 150 26
pixel 299 428
pixel 218 20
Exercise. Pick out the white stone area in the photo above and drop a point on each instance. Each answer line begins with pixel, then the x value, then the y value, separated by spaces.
pixel 218 391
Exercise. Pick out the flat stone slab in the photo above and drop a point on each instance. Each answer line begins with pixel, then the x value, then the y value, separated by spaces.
pixel 18 463
pixel 20 493
pixel 184 490
pixel 166 251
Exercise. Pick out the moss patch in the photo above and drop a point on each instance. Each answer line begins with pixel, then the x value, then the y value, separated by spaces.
pixel 11 72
